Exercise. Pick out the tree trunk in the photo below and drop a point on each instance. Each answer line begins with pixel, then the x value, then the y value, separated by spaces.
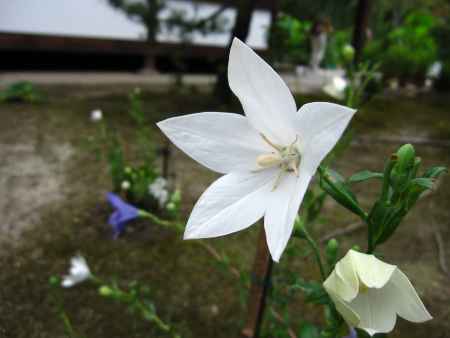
pixel 240 30
pixel 360 29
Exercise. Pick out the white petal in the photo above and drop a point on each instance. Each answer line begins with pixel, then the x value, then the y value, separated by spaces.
pixel 266 99
pixel 319 126
pixel 375 311
pixel 232 203
pixel 350 316
pixel 371 271
pixel 283 206
pixel 275 219
pixel 222 142
pixel 68 282
pixel 407 303
pixel 343 281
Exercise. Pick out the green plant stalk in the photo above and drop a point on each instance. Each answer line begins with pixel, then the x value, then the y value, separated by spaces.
pixel 316 252
pixel 179 227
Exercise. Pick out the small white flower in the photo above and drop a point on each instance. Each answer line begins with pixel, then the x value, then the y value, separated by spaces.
pixel 269 156
pixel 158 189
pixel 435 70
pixel 336 87
pixel 78 272
pixel 369 293
pixel 96 115
pixel 125 185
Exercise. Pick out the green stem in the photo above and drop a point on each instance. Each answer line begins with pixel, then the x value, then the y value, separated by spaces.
pixel 168 224
pixel 153 317
pixel 316 252
pixel 370 244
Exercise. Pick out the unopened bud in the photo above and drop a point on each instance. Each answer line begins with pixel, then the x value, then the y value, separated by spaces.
pixel 105 291
pixel 348 52
pixel 406 157
pixel 125 185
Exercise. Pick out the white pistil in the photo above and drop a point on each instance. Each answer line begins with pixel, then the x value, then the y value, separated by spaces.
pixel 287 158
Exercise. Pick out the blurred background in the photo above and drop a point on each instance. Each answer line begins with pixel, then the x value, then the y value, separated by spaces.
pixel 140 61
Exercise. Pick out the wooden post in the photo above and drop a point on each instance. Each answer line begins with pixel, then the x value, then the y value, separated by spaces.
pixel 261 275
pixel 165 152
pixel 360 29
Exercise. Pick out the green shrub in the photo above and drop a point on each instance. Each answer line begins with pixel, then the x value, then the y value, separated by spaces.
pixel 409 49
pixel 337 41
pixel 22 91
pixel 290 40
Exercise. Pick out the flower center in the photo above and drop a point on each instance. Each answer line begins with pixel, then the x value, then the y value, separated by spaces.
pixel 287 158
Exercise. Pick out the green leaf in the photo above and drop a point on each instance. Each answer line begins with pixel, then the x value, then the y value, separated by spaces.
pixel 364 176
pixel 308 330
pixel 423 182
pixel 334 184
pixel 435 172
pixel 314 291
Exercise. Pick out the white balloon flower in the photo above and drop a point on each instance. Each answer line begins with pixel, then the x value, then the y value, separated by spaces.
pixel 78 272
pixel 268 157
pixel 158 189
pixel 336 87
pixel 369 294
pixel 96 115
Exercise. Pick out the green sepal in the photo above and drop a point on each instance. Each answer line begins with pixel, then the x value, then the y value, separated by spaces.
pixel 384 219
pixel 435 172
pixel 334 185
pixel 364 175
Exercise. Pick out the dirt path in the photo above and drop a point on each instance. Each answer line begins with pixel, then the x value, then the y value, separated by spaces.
pixel 52 205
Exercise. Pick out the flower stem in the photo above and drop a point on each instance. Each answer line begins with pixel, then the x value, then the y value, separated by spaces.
pixel 168 224
pixel 316 252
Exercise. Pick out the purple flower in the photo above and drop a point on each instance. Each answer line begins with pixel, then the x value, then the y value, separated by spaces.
pixel 122 214
pixel 352 333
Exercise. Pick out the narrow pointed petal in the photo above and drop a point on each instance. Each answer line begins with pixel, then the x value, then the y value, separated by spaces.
pixel 282 209
pixel 407 303
pixel 222 142
pixel 319 126
pixel 275 219
pixel 264 96
pixel 375 311
pixel 232 203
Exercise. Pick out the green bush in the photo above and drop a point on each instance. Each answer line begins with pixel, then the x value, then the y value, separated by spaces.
pixel 337 41
pixel 290 40
pixel 22 91
pixel 408 50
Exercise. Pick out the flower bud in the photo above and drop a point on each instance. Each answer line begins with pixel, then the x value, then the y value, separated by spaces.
pixel 105 291
pixel 54 280
pixel 96 115
pixel 348 52
pixel 331 251
pixel 125 185
pixel 406 157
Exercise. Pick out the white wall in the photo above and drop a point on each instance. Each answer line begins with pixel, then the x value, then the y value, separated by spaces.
pixel 95 18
